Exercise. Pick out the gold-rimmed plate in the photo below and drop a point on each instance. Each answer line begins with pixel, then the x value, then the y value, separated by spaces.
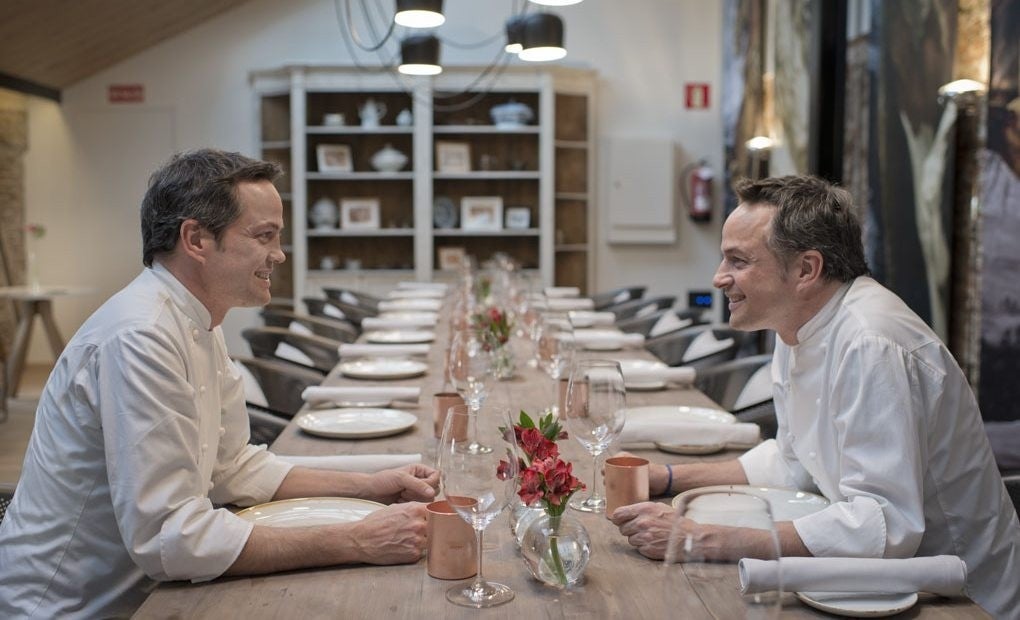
pixel 308 511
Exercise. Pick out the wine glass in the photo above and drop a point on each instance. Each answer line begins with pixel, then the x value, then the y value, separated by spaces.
pixel 725 511
pixel 555 346
pixel 470 365
pixel 595 416
pixel 479 484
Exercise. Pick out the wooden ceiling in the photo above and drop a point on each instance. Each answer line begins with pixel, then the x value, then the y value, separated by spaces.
pixel 54 43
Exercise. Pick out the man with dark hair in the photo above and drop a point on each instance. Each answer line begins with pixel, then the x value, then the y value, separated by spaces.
pixel 873 411
pixel 142 429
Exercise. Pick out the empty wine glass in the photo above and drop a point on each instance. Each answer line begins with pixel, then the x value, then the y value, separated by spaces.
pixel 594 416
pixel 693 563
pixel 479 484
pixel 555 344
pixel 470 365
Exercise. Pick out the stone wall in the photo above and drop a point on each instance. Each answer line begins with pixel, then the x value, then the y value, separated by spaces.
pixel 13 142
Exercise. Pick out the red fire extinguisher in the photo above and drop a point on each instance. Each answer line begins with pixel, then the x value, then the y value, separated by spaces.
pixel 696 188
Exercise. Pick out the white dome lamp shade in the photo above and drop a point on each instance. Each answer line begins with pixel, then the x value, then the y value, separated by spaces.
pixel 514 34
pixel 542 38
pixel 419 55
pixel 419 13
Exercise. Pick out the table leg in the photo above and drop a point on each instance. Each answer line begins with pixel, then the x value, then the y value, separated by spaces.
pixel 19 347
pixel 45 310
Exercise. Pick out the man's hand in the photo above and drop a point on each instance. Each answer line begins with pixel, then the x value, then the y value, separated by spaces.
pixel 647 526
pixel 411 483
pixel 392 535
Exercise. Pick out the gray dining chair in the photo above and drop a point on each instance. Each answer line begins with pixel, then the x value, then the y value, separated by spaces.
pixel 346 295
pixel 672 348
pixel 322 353
pixel 643 325
pixel 618 295
pixel 724 383
pixel 640 307
pixel 352 313
pixel 6 495
pixel 264 426
pixel 281 382
pixel 327 327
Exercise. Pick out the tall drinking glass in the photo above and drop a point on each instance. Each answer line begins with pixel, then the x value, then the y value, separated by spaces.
pixel 692 563
pixel 479 484
pixel 594 416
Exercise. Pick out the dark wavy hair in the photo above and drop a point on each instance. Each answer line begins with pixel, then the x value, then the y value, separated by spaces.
pixel 811 214
pixel 199 185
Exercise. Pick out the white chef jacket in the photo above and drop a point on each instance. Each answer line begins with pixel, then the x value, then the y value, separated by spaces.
pixel 141 430
pixel 875 414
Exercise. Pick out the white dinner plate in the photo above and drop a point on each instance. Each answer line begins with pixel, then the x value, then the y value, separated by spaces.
pixel 355 423
pixel 698 415
pixel 310 511
pixel 412 293
pixel 382 368
pixel 410 315
pixel 400 336
pixel 859 605
pixel 599 339
pixel 637 366
pixel 786 504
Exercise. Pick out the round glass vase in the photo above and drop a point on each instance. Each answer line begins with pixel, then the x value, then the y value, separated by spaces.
pixel 503 363
pixel 521 515
pixel 556 549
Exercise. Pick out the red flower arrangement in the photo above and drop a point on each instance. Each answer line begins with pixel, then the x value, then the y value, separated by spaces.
pixel 544 476
pixel 495 324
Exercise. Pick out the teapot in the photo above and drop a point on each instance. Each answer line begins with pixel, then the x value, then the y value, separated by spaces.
pixel 388 159
pixel 371 113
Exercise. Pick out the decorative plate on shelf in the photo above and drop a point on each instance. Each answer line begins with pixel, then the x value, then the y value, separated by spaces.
pixel 444 213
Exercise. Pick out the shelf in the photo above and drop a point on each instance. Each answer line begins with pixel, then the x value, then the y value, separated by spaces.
pixel 502 232
pixel 448 129
pixel 518 175
pixel 359 176
pixel 571 144
pixel 571 196
pixel 271 145
pixel 323 273
pixel 357 130
pixel 572 247
pixel 377 232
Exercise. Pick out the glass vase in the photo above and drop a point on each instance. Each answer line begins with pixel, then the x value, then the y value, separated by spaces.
pixel 556 549
pixel 32 270
pixel 521 515
pixel 503 363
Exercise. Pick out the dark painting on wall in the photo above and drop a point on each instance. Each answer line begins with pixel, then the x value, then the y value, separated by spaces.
pixel 999 390
pixel 910 187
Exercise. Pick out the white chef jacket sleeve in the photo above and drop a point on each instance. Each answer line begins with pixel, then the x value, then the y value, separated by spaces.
pixel 770 465
pixel 877 409
pixel 151 430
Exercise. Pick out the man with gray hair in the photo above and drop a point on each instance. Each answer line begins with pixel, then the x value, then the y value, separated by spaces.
pixel 873 411
pixel 142 431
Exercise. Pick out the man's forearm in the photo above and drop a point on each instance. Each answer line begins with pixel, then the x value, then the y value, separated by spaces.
pixel 270 550
pixel 307 482
pixel 694 475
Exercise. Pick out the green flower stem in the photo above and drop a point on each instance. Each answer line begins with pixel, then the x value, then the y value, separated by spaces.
pixel 557 561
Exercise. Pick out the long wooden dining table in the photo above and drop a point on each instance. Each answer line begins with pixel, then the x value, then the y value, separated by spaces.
pixel 618 582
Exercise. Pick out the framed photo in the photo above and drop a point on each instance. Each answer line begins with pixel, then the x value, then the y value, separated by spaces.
pixel 359 213
pixel 518 217
pixel 451 257
pixel 481 212
pixel 334 158
pixel 453 156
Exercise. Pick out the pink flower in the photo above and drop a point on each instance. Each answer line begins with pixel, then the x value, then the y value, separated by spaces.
pixel 531 486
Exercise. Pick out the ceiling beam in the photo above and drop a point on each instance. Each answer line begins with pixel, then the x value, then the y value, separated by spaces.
pixel 11 82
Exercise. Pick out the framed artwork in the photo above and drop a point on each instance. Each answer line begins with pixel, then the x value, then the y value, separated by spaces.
pixel 334 158
pixel 451 257
pixel 518 217
pixel 359 213
pixel 453 156
pixel 481 212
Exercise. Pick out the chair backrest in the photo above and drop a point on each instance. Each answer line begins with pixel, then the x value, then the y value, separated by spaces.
pixel 337 329
pixel 351 312
pixel 327 308
pixel 672 348
pixel 764 415
pixel 1012 482
pixel 641 307
pixel 6 495
pixel 356 298
pixel 263 426
pixel 282 382
pixel 725 382
pixel 645 324
pixel 618 295
pixel 322 354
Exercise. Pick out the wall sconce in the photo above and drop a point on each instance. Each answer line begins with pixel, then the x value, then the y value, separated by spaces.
pixel 542 38
pixel 419 13
pixel 419 55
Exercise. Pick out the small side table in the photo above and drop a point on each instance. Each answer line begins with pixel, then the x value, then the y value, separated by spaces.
pixel 32 301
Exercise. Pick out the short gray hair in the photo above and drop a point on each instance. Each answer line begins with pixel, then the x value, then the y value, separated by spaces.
pixel 196 185
pixel 811 214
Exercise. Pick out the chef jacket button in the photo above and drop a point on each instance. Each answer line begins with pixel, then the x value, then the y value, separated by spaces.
pixel 223 431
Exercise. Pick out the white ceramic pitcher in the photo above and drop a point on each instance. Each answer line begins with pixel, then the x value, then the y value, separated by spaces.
pixel 371 112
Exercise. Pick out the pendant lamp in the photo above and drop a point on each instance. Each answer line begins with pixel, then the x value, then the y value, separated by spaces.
pixel 514 34
pixel 419 13
pixel 542 38
pixel 419 55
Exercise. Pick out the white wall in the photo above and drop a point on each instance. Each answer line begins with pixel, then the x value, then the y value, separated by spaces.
pixel 88 160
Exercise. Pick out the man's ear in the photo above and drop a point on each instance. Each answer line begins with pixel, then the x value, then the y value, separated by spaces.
pixel 195 240
pixel 808 268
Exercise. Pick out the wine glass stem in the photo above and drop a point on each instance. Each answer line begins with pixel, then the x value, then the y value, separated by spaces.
pixel 479 580
pixel 596 483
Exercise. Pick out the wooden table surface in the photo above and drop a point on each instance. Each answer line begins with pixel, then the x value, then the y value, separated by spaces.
pixel 619 583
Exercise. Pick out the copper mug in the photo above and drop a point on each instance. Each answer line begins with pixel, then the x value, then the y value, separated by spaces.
pixel 441 403
pixel 452 548
pixel 626 482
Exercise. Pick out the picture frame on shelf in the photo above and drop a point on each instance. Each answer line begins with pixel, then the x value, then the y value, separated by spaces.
pixel 453 157
pixel 518 218
pixel 451 257
pixel 481 212
pixel 334 158
pixel 359 213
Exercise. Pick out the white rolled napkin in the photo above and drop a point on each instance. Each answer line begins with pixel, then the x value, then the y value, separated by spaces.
pixel 676 374
pixel 358 394
pixel 398 305
pixel 705 344
pixel 416 293
pixel 382 350
pixel 599 338
pixel 435 286
pixel 661 429
pixel 563 304
pixel 381 322
pixel 362 463
pixel 945 575
pixel 667 323
pixel 562 291
pixel 590 318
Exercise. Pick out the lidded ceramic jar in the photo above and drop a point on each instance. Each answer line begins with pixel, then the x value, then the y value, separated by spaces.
pixel 388 159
